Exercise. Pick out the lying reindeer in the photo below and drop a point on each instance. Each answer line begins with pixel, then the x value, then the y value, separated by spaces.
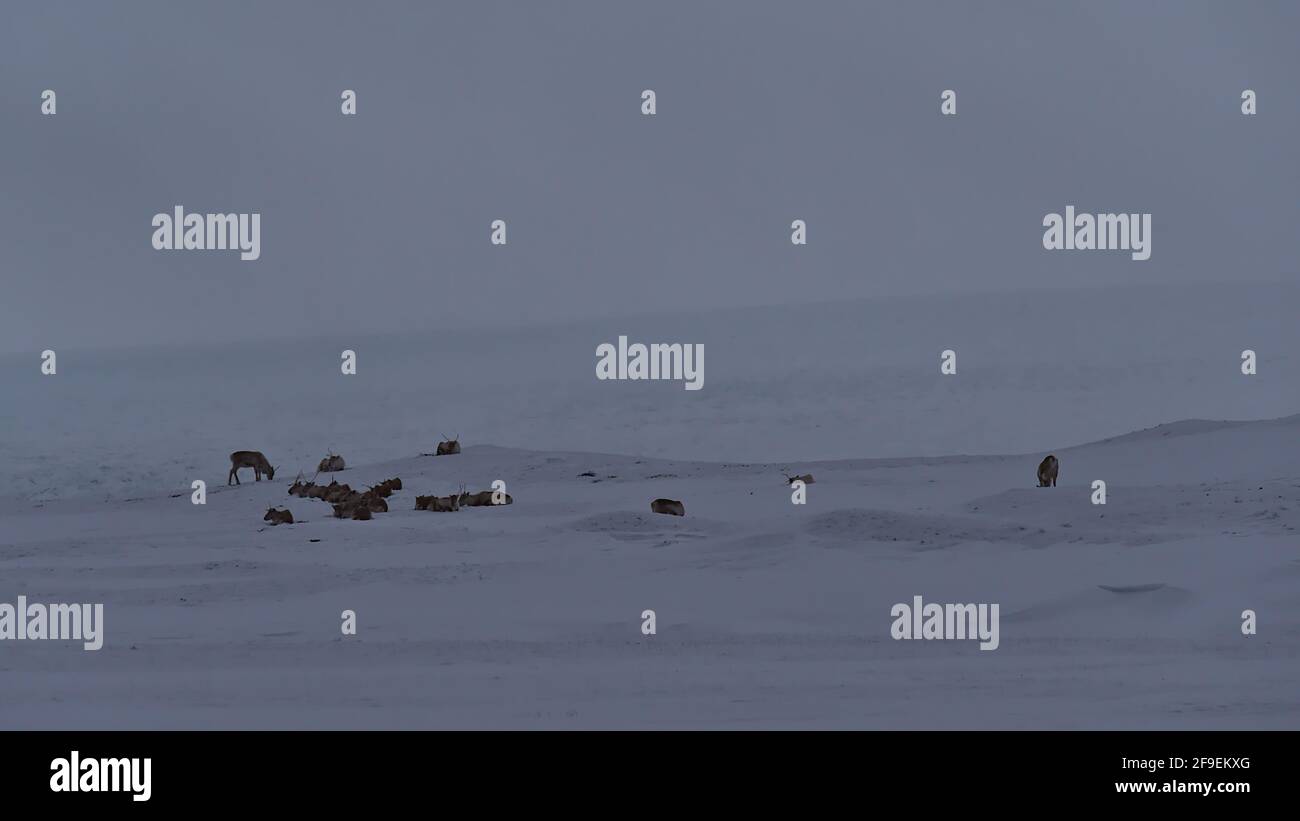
pixel 278 517
pixel 331 463
pixel 807 479
pixel 348 503
pixel 446 504
pixel 382 490
pixel 249 459
pixel 438 504
pixel 482 499
pixel 449 446
pixel 353 509
pixel 668 506
pixel 1047 471
pixel 336 492
pixel 300 488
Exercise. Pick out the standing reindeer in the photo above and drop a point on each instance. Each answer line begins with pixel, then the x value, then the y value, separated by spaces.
pixel 249 459
pixel 1047 471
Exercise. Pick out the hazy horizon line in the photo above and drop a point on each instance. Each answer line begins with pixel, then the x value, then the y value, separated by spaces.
pixel 544 323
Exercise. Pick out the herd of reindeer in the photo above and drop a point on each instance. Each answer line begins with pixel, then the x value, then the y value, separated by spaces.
pixel 362 505
pixel 353 504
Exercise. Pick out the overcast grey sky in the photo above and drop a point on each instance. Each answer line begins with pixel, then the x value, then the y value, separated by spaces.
pixel 530 112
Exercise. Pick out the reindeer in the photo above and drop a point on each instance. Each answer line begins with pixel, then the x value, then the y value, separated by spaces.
pixel 348 504
pixel 278 517
pixel 438 504
pixel 330 463
pixel 669 506
pixel 337 493
pixel 446 504
pixel 249 459
pixel 300 488
pixel 315 491
pixel 375 503
pixel 1047 471
pixel 361 513
pixel 482 499
pixel 390 485
pixel 806 478
pixel 449 446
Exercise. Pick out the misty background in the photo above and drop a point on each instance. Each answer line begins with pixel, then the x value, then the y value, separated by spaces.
pixel 530 112
pixel 925 234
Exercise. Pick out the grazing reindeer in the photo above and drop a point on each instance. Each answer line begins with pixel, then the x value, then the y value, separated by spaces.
pixel 449 446
pixel 330 463
pixel 249 459
pixel 669 506
pixel 806 478
pixel 1047 471
pixel 278 517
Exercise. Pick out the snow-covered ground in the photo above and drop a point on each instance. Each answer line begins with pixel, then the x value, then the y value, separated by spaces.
pixel 1126 615
pixel 768 614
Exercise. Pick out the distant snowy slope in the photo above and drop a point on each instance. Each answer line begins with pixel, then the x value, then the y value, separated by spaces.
pixel 1036 372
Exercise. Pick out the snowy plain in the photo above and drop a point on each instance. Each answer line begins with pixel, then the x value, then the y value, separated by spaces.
pixel 769 614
